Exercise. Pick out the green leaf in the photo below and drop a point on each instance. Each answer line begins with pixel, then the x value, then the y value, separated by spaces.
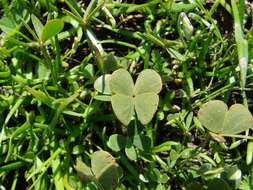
pixel 237 119
pixel 142 142
pixel 105 169
pixel 216 117
pixel 160 187
pixel 100 160
pixel 116 142
pixel 109 178
pixel 5 71
pixel 232 173
pixel 96 48
pixel 166 146
pixel 218 184
pixel 38 26
pixel 110 62
pixel 145 106
pixel 131 152
pixel 88 71
pixel 7 25
pixel 41 96
pixel 148 81
pixel 123 107
pixel 83 171
pixel 185 27
pixel 102 84
pixel 52 28
pixel 157 176
pixel 122 82
pixel 212 114
pixel 43 71
pixel 194 186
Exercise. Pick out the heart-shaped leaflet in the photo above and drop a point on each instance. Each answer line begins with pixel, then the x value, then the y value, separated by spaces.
pixel 217 118
pixel 141 97
pixel 105 169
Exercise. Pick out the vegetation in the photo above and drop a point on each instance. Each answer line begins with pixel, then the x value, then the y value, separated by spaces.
pixel 106 94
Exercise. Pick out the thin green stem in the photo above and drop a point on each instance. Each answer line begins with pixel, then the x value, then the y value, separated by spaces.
pixel 237 136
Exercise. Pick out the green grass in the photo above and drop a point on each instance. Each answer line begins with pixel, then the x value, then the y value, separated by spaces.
pixel 51 116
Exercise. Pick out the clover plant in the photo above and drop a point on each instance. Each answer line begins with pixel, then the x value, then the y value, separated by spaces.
pixel 217 118
pixel 141 97
pixel 127 97
pixel 104 170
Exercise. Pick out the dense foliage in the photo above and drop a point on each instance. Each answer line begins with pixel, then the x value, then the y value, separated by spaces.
pixel 66 125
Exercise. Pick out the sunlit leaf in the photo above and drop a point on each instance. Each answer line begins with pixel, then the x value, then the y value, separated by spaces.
pixel 232 173
pixel 83 171
pixel 102 84
pixel 38 26
pixel 122 82
pixel 237 119
pixel 105 169
pixel 100 160
pixel 148 81
pixel 145 106
pixel 52 28
pixel 185 26
pixel 88 71
pixel 212 115
pixel 7 25
pixel 116 142
pixel 216 117
pixel 123 107
pixel 97 48
pixel 131 152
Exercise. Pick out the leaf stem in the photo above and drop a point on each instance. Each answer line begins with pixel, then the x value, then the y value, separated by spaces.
pixel 237 136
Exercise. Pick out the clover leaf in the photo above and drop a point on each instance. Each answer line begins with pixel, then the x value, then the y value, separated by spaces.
pixel 104 170
pixel 141 98
pixel 217 118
